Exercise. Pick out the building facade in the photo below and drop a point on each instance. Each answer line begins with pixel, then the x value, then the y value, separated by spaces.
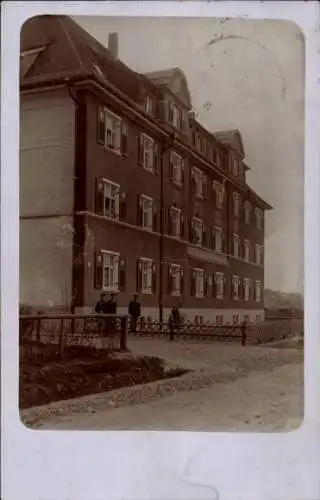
pixel 123 191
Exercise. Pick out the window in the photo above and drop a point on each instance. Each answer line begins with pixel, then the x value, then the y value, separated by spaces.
pixel 235 244
pixel 247 287
pixel 110 277
pixel 175 279
pixel 258 254
pixel 176 168
pixel 235 319
pixel 111 199
pixel 259 217
pixel 124 138
pixel 198 182
pixel 258 317
pixel 148 104
pixel 219 320
pixel 175 116
pixel 218 188
pixel 247 211
pixel 218 239
pixel 246 245
pixel 112 131
pixel 219 285
pixel 235 287
pixel 174 221
pixel 217 158
pixel 146 152
pixel 236 204
pixel 146 208
pixel 197 283
pixel 235 166
pixel 146 276
pixel 258 291
pixel 196 231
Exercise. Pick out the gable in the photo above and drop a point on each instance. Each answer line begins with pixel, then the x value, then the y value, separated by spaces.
pixel 178 86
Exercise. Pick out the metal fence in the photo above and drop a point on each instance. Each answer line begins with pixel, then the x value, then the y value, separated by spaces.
pixel 46 337
pixel 64 336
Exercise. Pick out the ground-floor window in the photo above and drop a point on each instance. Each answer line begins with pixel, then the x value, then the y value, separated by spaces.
pixel 146 276
pixel 235 319
pixel 219 319
pixel 247 287
pixel 110 262
pixel 197 282
pixel 219 285
pixel 235 287
pixel 175 279
pixel 258 291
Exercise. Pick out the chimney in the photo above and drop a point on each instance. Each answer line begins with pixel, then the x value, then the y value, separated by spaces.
pixel 113 44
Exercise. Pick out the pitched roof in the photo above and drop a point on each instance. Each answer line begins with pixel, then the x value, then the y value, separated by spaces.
pixel 231 138
pixel 168 78
pixel 71 52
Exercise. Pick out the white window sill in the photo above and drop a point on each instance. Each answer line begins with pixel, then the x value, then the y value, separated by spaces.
pixel 199 296
pixel 110 290
pixel 146 292
pixel 116 151
pixel 176 294
pixel 149 169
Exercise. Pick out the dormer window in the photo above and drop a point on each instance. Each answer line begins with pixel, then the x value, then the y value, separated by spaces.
pixel 175 116
pixel 235 166
pixel 148 104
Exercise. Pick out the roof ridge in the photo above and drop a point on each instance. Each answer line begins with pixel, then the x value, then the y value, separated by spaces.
pixel 71 42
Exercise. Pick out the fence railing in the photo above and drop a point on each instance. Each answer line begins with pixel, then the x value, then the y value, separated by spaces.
pixel 70 335
pixel 67 336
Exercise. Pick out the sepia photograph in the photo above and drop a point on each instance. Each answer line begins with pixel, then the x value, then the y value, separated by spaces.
pixel 161 224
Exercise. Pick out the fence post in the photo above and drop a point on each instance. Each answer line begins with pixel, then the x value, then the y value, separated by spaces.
pixel 61 340
pixel 124 333
pixel 38 337
pixel 243 333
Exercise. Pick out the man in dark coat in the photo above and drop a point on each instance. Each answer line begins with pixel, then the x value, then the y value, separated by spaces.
pixel 101 306
pixel 134 312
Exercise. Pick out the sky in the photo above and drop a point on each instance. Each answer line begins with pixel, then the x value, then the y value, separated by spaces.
pixel 245 74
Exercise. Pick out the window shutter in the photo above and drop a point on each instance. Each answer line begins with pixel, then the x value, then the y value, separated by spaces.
pixel 139 210
pixel 214 285
pixel 171 174
pixel 122 275
pixel 169 221
pixel 193 184
pixel 193 283
pixel 157 158
pixel 101 125
pixel 204 236
pixel 182 172
pixel 154 217
pixel 205 286
pixel 181 281
pixel 182 225
pixel 205 186
pixel 139 276
pixel 98 271
pixel 169 280
pixel 123 207
pixel 140 149
pixel 154 279
pixel 99 196
pixel 170 112
pixel 124 138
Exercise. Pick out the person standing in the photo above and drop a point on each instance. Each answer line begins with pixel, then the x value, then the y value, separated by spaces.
pixel 101 306
pixel 112 305
pixel 174 321
pixel 134 310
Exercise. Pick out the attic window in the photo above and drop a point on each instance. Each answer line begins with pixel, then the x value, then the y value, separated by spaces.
pixel 28 58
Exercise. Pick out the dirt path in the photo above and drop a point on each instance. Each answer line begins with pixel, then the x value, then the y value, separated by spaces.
pixel 263 401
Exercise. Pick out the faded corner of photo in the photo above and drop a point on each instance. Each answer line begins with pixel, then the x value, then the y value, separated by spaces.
pixel 161 224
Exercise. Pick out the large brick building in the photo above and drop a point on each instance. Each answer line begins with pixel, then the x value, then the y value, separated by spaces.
pixel 122 189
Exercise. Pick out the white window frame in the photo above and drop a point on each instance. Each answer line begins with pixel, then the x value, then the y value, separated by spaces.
pixel 235 291
pixel 258 290
pixel 246 244
pixel 247 211
pixel 109 185
pixel 112 139
pixel 176 224
pixel 219 191
pixel 258 254
pixel 146 275
pixel 236 204
pixel 247 287
pixel 235 166
pixel 107 254
pixel 199 282
pixel 235 245
pixel 218 241
pixel 147 212
pixel 176 116
pixel 259 217
pixel 197 226
pixel 176 273
pixel 219 319
pixel 148 152
pixel 219 280
pixel 177 165
pixel 148 104
pixel 198 177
